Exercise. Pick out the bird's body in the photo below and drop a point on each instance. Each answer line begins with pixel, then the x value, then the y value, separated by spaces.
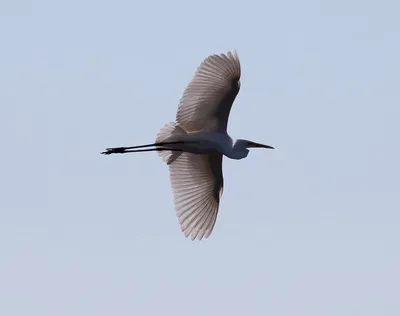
pixel 193 145
pixel 204 142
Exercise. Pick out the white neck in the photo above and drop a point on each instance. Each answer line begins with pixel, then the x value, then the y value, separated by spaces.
pixel 238 150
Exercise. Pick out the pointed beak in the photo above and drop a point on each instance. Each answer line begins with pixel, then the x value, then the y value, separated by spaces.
pixel 257 145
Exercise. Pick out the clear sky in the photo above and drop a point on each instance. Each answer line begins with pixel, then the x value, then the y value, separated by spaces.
pixel 311 228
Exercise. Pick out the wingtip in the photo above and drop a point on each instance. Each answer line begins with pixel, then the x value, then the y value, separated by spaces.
pixel 235 54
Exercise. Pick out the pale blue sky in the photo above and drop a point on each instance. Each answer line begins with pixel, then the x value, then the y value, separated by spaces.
pixel 311 228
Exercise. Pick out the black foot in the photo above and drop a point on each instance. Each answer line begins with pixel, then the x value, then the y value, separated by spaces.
pixel 116 150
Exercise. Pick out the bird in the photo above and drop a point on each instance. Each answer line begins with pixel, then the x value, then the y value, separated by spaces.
pixel 194 145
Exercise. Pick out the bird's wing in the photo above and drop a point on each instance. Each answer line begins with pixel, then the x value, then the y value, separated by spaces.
pixel 207 100
pixel 197 184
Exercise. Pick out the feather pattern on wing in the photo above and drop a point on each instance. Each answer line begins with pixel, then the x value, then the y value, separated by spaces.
pixel 197 184
pixel 207 100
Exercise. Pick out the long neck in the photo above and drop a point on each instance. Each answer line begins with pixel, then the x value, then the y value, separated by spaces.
pixel 238 151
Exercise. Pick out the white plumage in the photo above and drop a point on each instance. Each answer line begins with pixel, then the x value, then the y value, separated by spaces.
pixel 193 146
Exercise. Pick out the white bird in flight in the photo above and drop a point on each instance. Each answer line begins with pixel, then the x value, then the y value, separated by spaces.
pixel 193 146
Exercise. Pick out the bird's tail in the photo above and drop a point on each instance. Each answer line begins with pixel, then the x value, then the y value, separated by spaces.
pixel 168 133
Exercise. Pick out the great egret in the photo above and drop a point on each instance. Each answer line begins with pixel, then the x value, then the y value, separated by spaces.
pixel 194 144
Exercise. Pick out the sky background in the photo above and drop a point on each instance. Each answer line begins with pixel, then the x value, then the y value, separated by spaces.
pixel 311 228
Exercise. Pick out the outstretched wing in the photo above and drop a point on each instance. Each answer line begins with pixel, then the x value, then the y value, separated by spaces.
pixel 207 100
pixel 197 184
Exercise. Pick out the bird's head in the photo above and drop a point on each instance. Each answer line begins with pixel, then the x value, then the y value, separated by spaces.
pixel 241 147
